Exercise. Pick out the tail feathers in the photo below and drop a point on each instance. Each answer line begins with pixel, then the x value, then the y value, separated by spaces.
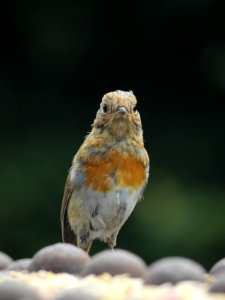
pixel 68 236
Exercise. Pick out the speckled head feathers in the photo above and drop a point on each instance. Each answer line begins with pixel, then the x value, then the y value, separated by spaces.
pixel 119 98
pixel 118 113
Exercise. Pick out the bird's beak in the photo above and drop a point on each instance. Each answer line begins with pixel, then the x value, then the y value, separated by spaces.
pixel 122 110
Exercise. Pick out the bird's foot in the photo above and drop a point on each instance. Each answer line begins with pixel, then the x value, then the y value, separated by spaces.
pixel 111 241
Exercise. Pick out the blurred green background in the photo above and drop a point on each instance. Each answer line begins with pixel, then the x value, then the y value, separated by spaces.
pixel 57 59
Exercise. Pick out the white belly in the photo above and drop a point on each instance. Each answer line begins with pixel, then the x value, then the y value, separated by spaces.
pixel 103 213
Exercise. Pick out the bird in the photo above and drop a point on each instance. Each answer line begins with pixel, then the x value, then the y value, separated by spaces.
pixel 108 175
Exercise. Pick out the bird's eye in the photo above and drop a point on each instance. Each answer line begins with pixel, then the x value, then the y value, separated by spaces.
pixel 135 109
pixel 105 108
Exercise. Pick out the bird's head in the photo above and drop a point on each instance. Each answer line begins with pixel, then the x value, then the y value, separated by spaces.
pixel 118 115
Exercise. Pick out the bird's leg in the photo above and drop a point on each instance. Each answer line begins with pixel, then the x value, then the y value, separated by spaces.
pixel 88 246
pixel 83 240
pixel 111 241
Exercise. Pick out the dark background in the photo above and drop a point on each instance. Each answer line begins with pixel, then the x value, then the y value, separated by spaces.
pixel 57 59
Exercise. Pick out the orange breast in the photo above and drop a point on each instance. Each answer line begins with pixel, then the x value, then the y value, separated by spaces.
pixel 104 173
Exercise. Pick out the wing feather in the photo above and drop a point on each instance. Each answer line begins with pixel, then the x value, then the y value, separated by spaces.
pixel 67 234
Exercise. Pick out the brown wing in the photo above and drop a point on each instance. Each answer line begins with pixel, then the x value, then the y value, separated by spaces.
pixel 67 234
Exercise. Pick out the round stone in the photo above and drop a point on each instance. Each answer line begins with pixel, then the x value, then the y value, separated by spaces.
pixel 12 290
pixel 75 294
pixel 115 262
pixel 173 270
pixel 5 260
pixel 60 258
pixel 19 265
pixel 218 269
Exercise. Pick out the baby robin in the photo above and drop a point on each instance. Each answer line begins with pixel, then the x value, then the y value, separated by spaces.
pixel 108 174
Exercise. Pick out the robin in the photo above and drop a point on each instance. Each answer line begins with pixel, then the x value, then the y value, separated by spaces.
pixel 108 174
